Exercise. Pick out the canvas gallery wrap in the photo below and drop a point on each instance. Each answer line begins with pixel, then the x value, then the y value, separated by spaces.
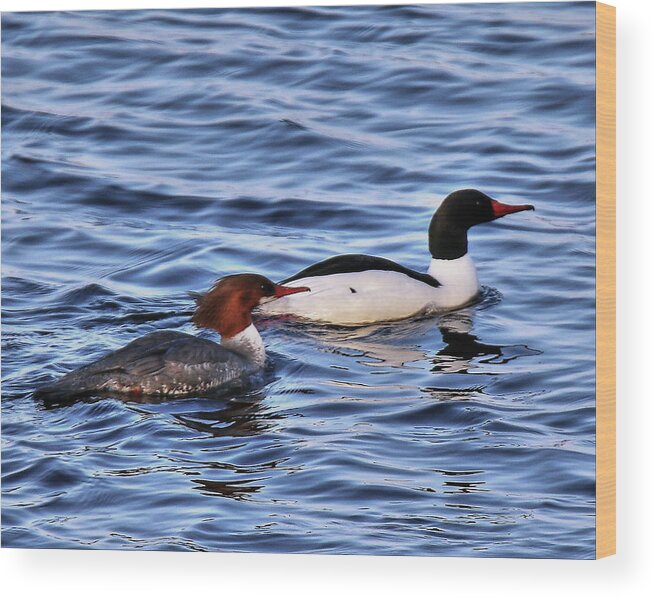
pixel 309 280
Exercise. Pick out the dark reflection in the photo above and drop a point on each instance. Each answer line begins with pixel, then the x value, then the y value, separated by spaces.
pixel 459 486
pixel 463 350
pixel 216 417
pixel 460 349
pixel 458 472
pixel 234 489
pixel 237 419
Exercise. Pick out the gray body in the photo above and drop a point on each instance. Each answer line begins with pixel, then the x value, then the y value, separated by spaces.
pixel 160 363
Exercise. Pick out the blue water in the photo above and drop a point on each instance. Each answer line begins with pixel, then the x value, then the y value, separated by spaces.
pixel 147 153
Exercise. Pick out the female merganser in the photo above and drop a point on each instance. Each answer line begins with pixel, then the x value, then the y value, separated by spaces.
pixel 355 289
pixel 174 363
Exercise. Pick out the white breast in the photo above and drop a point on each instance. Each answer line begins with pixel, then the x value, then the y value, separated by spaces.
pixel 248 344
pixel 459 281
pixel 377 295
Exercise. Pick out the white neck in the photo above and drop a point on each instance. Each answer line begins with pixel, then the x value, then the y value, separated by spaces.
pixel 458 275
pixel 248 344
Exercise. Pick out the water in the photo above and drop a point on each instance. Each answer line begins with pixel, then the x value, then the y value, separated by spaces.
pixel 148 153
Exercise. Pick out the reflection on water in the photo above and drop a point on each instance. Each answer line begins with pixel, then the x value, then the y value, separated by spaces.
pixel 147 153
pixel 240 490
pixel 384 345
pixel 242 417
pixel 462 349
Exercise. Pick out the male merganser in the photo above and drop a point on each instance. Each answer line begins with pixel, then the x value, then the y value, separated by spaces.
pixel 355 289
pixel 174 363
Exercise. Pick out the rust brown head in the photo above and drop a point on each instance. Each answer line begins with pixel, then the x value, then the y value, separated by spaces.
pixel 227 305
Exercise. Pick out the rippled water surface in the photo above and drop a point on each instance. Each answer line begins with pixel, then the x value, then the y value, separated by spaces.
pixel 147 153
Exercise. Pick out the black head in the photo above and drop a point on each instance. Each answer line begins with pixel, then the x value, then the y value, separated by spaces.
pixel 457 214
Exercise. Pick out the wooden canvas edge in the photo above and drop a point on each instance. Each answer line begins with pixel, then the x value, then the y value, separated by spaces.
pixel 605 280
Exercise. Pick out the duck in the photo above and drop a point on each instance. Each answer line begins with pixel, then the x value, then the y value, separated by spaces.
pixel 359 289
pixel 172 363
